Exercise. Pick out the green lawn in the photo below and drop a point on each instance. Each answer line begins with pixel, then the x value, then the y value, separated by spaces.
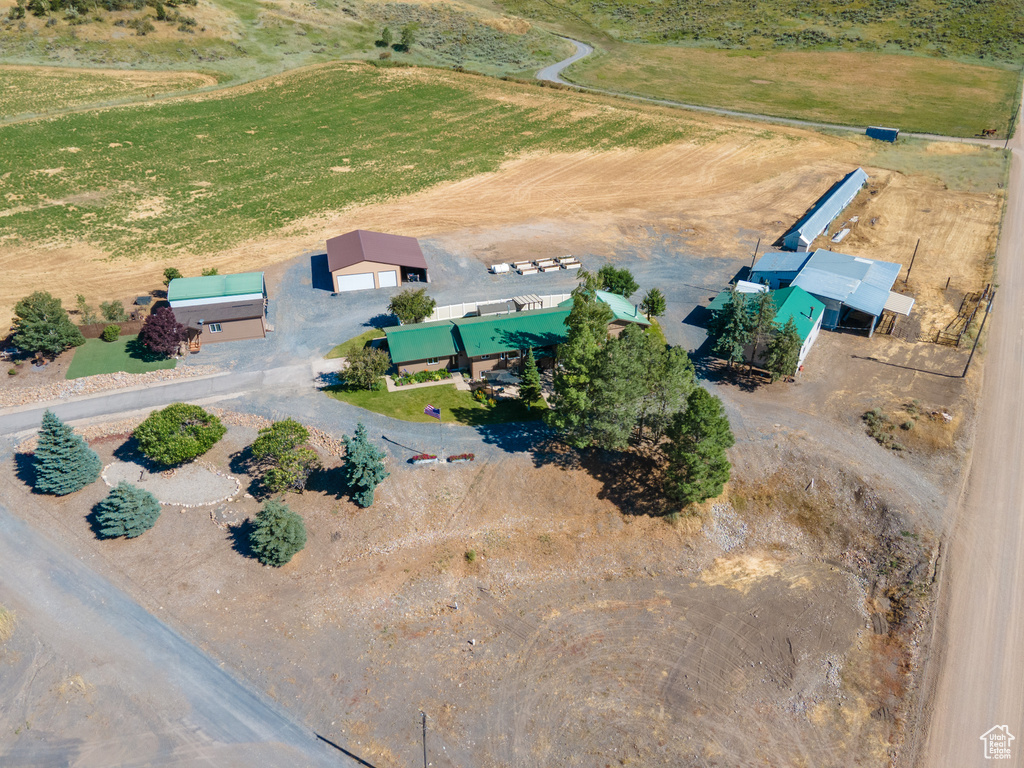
pixel 456 406
pixel 204 174
pixel 346 348
pixel 912 93
pixel 97 356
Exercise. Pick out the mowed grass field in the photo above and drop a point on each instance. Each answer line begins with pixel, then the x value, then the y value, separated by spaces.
pixel 908 92
pixel 201 174
pixel 42 90
pixel 456 405
pixel 126 354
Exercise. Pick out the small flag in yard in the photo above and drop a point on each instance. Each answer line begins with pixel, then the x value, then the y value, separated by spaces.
pixel 432 411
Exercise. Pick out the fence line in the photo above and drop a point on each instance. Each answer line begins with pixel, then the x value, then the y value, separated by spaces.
pixel 469 308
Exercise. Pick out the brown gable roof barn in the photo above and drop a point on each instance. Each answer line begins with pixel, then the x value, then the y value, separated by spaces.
pixel 362 259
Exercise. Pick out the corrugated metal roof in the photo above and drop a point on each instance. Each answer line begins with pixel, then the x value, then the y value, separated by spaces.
pixel 781 261
pixel 860 283
pixel 828 207
pixel 899 303
pixel 213 286
pixel 620 306
pixel 504 333
pixel 789 302
pixel 796 303
pixel 421 341
pixel 382 248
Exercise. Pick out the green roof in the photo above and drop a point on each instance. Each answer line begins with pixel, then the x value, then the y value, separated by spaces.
pixel 790 302
pixel 421 341
pixel 214 286
pixel 620 306
pixel 797 303
pixel 494 334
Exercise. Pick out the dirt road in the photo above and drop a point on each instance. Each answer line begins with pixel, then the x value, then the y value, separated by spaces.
pixel 977 674
pixel 147 695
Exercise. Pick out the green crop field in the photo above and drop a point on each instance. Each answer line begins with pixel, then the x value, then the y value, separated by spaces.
pixel 912 93
pixel 200 175
pixel 979 29
pixel 126 354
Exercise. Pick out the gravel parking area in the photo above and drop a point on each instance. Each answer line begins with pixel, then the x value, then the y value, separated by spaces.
pixel 192 485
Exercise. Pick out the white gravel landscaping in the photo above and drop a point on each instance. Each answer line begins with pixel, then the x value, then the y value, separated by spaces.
pixel 191 485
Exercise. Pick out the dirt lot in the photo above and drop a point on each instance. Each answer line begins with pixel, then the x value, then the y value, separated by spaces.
pixel 580 632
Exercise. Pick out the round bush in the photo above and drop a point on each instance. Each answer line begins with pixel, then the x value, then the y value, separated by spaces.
pixel 111 333
pixel 277 534
pixel 178 433
pixel 127 511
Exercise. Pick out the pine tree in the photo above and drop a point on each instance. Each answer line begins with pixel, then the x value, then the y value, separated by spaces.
pixel 578 357
pixel 762 325
pixel 529 381
pixel 279 454
pixel 63 462
pixel 277 534
pixel 127 511
pixel 43 325
pixel 653 304
pixel 620 385
pixel 731 327
pixel 364 467
pixel 670 379
pixel 783 355
pixel 618 281
pixel 698 467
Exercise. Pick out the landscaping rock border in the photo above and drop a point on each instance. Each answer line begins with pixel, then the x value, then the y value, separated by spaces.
pixel 202 464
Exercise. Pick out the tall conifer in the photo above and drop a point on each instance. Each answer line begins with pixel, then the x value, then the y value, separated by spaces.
pixel 64 463
pixel 127 511
pixel 364 467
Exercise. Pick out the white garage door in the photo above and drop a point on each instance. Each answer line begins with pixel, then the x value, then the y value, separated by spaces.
pixel 355 282
pixel 388 279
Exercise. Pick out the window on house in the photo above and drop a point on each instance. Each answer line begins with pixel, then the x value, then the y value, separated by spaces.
pixel 513 354
pixel 215 328
pixel 503 356
pixel 431 361
pixel 485 357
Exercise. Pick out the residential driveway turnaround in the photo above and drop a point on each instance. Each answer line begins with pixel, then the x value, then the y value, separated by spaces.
pixel 92 679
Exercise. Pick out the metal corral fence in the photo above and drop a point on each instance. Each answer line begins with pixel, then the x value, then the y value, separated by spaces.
pixel 469 308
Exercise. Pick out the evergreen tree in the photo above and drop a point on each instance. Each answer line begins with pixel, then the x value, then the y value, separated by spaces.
pixel 364 467
pixel 670 379
pixel 127 511
pixel 277 534
pixel 386 37
pixel 620 385
pixel 64 463
pixel 161 333
pixel 529 380
pixel 762 325
pixel 783 355
pixel 653 304
pixel 178 433
pixel 408 36
pixel 731 327
pixel 577 360
pixel 43 325
pixel 285 463
pixel 698 467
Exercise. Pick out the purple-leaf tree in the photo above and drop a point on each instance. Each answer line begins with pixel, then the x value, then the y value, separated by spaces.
pixel 162 333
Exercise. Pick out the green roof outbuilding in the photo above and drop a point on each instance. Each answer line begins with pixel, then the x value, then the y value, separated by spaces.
pixel 421 341
pixel 793 302
pixel 215 286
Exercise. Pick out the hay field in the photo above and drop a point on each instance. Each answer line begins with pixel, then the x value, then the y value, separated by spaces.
pixel 246 178
pixel 912 93
pixel 44 90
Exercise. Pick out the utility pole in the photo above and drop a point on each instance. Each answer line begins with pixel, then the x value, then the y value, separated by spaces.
pixel 988 308
pixel 423 716
pixel 754 258
pixel 912 262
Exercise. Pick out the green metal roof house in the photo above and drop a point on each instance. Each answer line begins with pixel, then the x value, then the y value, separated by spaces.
pixel 216 308
pixel 482 344
pixel 793 302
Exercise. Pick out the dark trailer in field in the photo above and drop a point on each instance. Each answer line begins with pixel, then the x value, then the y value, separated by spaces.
pixel 883 134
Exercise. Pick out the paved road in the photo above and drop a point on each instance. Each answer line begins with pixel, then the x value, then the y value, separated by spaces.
pixel 202 714
pixel 553 74
pixel 977 672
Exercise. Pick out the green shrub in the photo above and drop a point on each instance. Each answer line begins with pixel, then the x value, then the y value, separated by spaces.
pixel 113 311
pixel 127 511
pixel 12 371
pixel 178 433
pixel 277 534
pixel 907 425
pixel 470 555
pixel 111 333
